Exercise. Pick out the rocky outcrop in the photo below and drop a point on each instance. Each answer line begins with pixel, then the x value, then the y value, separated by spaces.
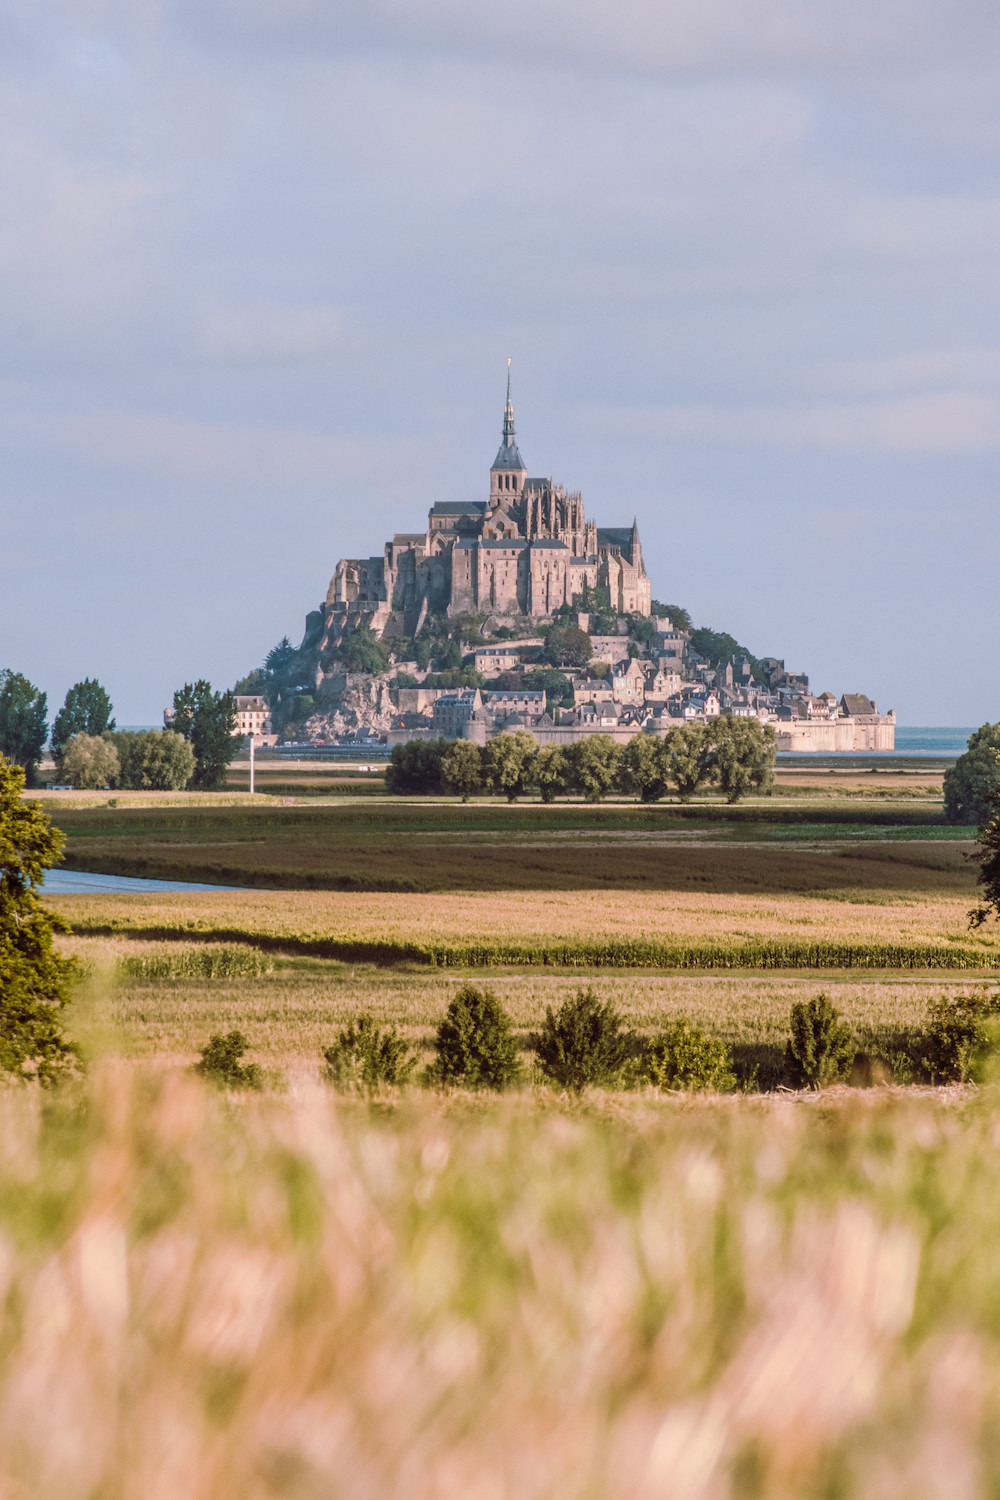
pixel 347 702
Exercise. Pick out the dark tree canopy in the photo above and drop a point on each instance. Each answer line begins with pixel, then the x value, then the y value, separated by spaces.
pixel 974 779
pixel 364 652
pixel 718 647
pixel 23 722
pixel 86 710
pixel 206 720
pixel 568 646
pixel 34 980
pixel 678 617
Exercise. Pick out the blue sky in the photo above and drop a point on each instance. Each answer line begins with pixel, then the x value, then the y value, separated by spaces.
pixel 263 262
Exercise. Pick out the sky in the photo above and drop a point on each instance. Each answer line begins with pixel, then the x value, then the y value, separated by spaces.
pixel 262 263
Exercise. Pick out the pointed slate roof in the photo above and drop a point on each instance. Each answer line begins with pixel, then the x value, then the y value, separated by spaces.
pixel 508 456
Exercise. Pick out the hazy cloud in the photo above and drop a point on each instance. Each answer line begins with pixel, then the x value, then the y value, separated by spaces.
pixel 263 261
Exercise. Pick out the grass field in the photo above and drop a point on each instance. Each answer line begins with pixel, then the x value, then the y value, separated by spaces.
pixel 521 1299
pixel 431 1295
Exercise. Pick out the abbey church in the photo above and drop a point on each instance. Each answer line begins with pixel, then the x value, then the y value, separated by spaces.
pixel 526 550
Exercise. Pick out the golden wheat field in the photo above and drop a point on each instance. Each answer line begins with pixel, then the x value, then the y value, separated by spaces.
pixel 872 914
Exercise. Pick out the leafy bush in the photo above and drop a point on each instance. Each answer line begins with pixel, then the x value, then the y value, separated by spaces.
pixel 364 1056
pixel 153 760
pixel 89 761
pixel 683 1057
pixel 821 1047
pixel 220 1062
pixel 475 1042
pixel 961 1033
pixel 583 1042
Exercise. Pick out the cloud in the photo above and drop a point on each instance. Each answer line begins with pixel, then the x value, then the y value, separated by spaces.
pixel 257 455
pixel 668 37
pixel 271 332
pixel 950 423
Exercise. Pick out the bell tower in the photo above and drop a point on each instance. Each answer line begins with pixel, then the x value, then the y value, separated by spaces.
pixel 508 474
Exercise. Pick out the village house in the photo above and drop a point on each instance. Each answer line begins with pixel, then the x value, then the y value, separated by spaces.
pixel 628 681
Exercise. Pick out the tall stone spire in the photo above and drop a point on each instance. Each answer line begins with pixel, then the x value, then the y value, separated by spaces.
pixel 508 473
pixel 508 414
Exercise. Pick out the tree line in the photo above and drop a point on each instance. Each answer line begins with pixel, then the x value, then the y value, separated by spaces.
pixel 735 755
pixel 89 751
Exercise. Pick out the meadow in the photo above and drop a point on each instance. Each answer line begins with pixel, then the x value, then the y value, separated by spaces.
pixel 426 1292
pixel 516 1299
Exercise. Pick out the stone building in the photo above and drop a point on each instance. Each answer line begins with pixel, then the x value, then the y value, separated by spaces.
pixel 526 550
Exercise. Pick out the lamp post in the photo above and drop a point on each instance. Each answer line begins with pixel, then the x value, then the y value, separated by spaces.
pixel 252 740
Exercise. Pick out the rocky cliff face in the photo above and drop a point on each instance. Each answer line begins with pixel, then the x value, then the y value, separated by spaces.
pixel 347 702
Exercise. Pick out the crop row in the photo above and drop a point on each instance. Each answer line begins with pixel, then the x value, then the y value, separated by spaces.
pixel 610 953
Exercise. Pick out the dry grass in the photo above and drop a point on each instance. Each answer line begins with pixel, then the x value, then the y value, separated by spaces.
pixel 448 1298
pixel 291 1015
pixel 872 915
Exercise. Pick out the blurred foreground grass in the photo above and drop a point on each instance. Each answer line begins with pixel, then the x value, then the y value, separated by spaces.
pixel 438 1296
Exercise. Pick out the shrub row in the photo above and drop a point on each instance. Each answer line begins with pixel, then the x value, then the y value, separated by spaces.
pixel 737 755
pixel 585 1043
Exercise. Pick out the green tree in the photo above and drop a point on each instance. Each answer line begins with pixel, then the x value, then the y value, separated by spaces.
pixel 594 765
pixel 974 779
pixel 718 647
pixel 462 769
pixel 207 720
pixel 414 769
pixel 681 1056
pixel 553 773
pixel 362 651
pixel 34 981
pixel 583 1042
pixel 568 646
pixel 690 758
pixel 642 768
pixel 678 617
pixel 745 751
pixel 90 760
pixel 152 760
pixel 23 722
pixel 475 1043
pixel 86 710
pixel 448 656
pixel 988 854
pixel 643 629
pixel 508 763
pixel 820 1047
pixel 254 685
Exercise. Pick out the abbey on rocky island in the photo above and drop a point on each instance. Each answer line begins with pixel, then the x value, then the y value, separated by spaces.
pixel 527 550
